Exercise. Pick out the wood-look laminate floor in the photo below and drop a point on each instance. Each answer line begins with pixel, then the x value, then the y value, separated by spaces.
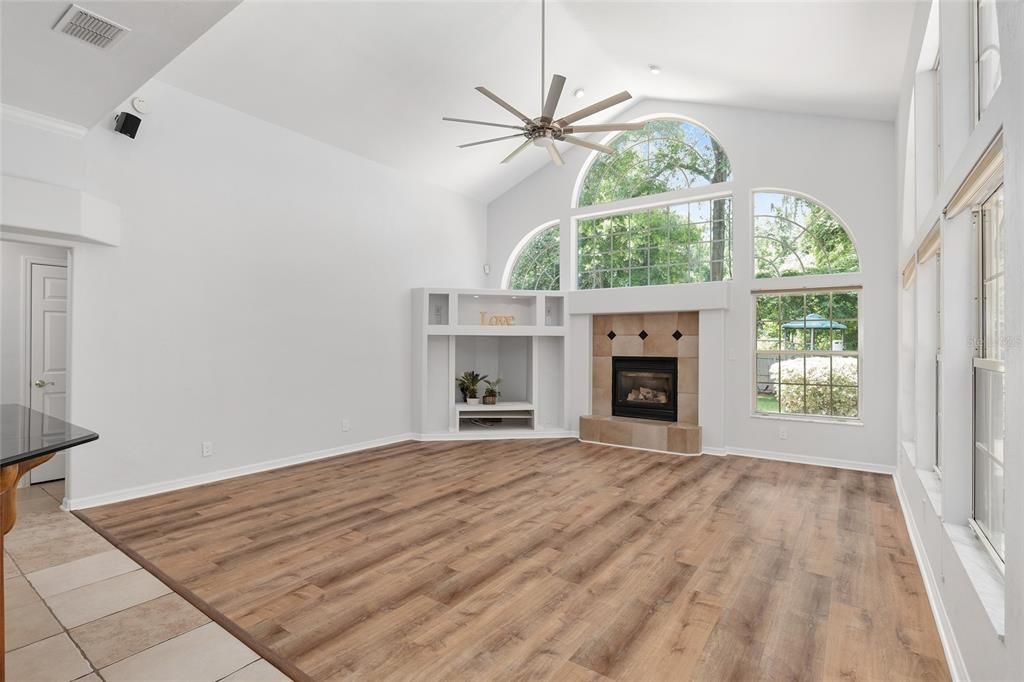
pixel 549 559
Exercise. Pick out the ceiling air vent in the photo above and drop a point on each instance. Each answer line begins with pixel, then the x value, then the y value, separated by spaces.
pixel 90 27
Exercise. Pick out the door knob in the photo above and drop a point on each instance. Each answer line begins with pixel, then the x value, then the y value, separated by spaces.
pixel 42 383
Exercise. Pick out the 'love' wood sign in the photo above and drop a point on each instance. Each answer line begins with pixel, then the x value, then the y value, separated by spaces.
pixel 497 320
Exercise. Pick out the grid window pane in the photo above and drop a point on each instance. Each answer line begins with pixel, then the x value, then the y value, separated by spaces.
pixel 989 71
pixel 664 155
pixel 989 485
pixel 795 236
pixel 992 255
pixel 815 372
pixel 538 264
pixel 659 246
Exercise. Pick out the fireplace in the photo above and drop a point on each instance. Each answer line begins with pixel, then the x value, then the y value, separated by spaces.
pixel 644 387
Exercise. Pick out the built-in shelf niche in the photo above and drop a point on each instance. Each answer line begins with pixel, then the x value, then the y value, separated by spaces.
pixel 507 357
pixel 437 309
pixel 553 311
pixel 529 356
pixel 488 310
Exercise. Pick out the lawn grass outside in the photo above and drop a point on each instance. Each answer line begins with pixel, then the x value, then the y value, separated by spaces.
pixel 767 403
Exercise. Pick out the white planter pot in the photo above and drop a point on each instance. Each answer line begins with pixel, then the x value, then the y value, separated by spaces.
pixel 472 401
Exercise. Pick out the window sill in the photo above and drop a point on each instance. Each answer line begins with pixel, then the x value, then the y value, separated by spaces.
pixel 987 580
pixel 932 484
pixel 811 419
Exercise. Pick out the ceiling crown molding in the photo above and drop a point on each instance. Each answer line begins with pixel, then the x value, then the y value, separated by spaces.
pixel 42 122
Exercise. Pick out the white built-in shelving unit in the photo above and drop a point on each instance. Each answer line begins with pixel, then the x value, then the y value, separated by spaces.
pixel 516 335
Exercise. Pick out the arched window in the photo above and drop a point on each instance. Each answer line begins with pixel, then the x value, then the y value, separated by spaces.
pixel 536 265
pixel 795 236
pixel 664 155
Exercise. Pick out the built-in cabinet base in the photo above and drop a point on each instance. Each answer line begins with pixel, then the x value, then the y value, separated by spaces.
pixel 678 437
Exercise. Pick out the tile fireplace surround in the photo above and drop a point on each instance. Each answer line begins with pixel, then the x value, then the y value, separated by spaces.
pixel 645 335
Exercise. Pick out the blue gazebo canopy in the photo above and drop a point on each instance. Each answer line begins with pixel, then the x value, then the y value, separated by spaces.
pixel 814 321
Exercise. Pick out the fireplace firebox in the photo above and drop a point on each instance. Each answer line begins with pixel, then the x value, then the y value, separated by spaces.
pixel 644 387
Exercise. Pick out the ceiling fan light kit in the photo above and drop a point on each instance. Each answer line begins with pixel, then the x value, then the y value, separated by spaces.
pixel 545 130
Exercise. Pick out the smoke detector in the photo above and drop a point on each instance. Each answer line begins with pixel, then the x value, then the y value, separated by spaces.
pixel 90 27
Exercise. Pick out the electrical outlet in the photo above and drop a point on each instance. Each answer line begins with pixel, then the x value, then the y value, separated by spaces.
pixel 207 448
pixel 346 425
pixel 783 433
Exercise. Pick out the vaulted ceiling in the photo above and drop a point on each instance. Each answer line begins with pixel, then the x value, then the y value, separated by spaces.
pixel 47 72
pixel 376 77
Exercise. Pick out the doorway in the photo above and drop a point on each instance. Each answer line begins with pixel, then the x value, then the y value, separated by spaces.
pixel 34 317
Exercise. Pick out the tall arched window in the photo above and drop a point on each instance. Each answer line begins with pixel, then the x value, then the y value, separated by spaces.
pixel 796 236
pixel 675 243
pixel 536 266
pixel 664 155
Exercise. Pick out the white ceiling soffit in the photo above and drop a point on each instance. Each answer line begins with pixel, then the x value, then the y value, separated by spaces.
pixel 375 78
pixel 51 73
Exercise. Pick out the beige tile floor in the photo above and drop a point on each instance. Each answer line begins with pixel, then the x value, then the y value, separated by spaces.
pixel 79 609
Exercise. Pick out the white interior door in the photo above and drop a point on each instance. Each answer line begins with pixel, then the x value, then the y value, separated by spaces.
pixel 48 352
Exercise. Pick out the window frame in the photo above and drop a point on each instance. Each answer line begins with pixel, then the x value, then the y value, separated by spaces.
pixel 983 361
pixel 976 55
pixel 937 463
pixel 588 164
pixel 666 200
pixel 939 171
pixel 800 416
pixel 788 278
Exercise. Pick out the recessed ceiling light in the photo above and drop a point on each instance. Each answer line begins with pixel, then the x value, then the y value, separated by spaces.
pixel 655 69
pixel 578 92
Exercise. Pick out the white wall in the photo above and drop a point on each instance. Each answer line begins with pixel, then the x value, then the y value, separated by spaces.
pixel 957 570
pixel 261 294
pixel 845 164
pixel 13 315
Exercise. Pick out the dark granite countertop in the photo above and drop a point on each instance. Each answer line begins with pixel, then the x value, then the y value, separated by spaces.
pixel 26 433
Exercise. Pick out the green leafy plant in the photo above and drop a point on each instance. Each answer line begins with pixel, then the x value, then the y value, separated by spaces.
pixel 469 383
pixel 492 388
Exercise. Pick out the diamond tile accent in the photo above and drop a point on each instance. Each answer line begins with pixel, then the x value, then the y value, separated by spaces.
pixel 677 335
pixel 643 334
pixel 611 335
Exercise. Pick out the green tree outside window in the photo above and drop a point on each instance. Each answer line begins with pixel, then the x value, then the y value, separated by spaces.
pixel 537 265
pixel 795 236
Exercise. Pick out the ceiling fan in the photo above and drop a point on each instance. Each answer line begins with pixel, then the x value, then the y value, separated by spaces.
pixel 544 130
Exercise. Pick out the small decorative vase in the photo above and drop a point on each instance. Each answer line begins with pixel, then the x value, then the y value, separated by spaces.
pixel 472 401
pixel 490 400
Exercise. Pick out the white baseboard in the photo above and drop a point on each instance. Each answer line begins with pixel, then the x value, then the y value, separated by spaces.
pixel 224 474
pixel 852 465
pixel 954 659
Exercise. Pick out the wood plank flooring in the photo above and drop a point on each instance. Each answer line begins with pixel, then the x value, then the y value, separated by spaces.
pixel 549 560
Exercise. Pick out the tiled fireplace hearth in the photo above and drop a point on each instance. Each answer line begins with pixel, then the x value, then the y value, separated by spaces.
pixel 644 375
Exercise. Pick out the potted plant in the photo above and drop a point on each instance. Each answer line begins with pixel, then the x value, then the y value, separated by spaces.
pixel 468 383
pixel 491 393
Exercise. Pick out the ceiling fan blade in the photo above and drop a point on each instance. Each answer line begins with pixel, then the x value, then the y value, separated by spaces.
pixel 585 143
pixel 594 108
pixel 602 128
pixel 493 139
pixel 556 158
pixel 504 105
pixel 516 152
pixel 554 93
pixel 481 123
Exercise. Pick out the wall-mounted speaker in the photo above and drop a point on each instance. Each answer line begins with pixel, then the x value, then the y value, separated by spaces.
pixel 127 124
